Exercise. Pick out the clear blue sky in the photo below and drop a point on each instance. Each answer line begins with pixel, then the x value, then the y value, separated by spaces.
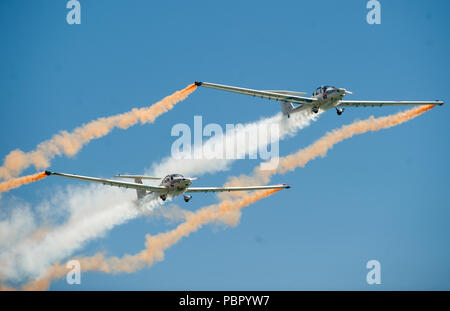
pixel 378 196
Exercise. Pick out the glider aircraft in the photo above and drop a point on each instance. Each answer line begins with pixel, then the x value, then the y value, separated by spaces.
pixel 323 98
pixel 170 186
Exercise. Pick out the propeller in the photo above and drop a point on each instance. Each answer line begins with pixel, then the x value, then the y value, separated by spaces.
pixel 348 92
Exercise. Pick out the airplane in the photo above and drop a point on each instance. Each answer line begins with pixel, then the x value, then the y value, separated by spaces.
pixel 172 185
pixel 323 98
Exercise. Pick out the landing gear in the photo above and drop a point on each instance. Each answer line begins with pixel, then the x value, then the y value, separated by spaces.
pixel 339 111
pixel 315 109
pixel 187 198
pixel 163 197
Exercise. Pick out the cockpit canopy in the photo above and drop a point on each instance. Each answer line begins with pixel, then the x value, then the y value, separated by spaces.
pixel 172 176
pixel 322 89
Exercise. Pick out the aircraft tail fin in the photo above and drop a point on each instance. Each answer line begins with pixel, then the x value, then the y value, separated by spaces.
pixel 138 179
pixel 286 107
pixel 140 193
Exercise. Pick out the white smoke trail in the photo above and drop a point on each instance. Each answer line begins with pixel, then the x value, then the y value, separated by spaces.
pixel 230 142
pixel 28 247
pixel 91 211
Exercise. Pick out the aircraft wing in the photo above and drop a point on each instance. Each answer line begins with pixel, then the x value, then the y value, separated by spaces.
pixel 227 189
pixel 292 97
pixel 112 182
pixel 372 103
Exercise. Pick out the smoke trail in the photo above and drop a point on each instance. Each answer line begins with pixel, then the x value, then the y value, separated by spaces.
pixel 326 142
pixel 233 141
pixel 17 182
pixel 31 241
pixel 71 143
pixel 155 245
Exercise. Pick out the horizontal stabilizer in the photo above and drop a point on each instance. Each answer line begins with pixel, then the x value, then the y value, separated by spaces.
pixel 286 92
pixel 137 176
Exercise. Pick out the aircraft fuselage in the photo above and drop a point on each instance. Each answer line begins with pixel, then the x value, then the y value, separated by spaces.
pixel 327 97
pixel 176 184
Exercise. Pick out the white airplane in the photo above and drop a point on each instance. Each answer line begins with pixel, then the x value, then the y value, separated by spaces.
pixel 172 185
pixel 323 98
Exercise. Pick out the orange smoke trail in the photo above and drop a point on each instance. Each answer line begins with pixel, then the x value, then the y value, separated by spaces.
pixel 71 143
pixel 321 146
pixel 17 182
pixel 154 245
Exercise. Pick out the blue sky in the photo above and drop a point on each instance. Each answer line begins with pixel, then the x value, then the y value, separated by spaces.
pixel 376 196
